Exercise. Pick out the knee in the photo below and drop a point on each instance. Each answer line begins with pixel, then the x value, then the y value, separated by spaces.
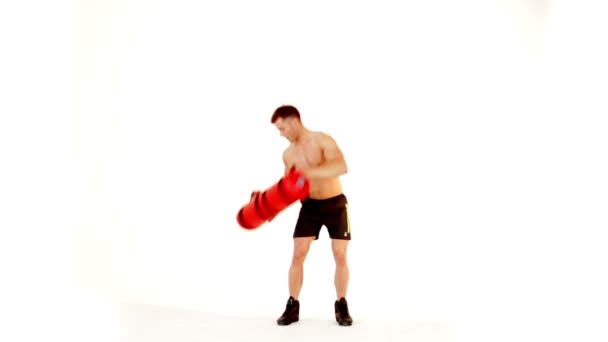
pixel 340 258
pixel 299 256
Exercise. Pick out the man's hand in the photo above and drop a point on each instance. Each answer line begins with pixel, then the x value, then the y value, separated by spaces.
pixel 306 172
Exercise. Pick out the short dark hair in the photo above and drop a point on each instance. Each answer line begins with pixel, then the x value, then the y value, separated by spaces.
pixel 285 111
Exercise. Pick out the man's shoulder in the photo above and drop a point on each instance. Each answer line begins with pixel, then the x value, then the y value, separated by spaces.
pixel 287 150
pixel 320 135
pixel 323 137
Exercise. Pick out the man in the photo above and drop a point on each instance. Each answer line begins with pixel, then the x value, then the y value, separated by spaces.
pixel 317 156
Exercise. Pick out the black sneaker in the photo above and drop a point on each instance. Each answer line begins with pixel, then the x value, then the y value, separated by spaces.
pixel 291 313
pixel 342 315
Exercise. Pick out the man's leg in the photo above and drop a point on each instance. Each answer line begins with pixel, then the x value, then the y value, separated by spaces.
pixel 339 231
pixel 301 246
pixel 341 281
pixel 339 248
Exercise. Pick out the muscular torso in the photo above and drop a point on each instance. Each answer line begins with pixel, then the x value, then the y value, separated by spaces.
pixel 309 154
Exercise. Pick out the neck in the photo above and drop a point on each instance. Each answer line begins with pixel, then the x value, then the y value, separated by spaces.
pixel 303 133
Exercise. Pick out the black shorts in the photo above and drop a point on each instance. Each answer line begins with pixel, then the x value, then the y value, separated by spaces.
pixel 331 213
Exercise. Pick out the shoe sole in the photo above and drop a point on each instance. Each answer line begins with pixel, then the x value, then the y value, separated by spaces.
pixel 284 324
pixel 343 323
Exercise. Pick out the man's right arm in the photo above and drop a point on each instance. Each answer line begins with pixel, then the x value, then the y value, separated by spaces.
pixel 286 162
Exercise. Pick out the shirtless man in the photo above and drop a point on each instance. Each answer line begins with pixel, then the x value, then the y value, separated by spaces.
pixel 317 156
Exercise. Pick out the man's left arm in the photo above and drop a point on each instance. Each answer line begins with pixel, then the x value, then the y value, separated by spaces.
pixel 334 164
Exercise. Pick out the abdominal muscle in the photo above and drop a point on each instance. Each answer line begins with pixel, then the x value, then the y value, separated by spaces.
pixel 326 188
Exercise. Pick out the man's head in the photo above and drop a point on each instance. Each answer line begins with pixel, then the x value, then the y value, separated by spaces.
pixel 287 120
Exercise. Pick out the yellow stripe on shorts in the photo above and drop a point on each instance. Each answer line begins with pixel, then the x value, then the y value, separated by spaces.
pixel 347 219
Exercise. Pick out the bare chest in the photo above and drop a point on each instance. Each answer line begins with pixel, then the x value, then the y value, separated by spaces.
pixel 305 155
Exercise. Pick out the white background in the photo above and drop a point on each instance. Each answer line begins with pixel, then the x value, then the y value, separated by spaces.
pixel 133 131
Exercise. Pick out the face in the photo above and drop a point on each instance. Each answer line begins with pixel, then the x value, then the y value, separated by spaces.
pixel 287 128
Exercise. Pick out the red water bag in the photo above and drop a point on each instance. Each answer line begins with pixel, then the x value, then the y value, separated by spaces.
pixel 264 206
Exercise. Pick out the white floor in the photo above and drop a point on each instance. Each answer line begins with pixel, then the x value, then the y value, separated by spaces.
pixel 62 315
pixel 55 312
pixel 144 323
